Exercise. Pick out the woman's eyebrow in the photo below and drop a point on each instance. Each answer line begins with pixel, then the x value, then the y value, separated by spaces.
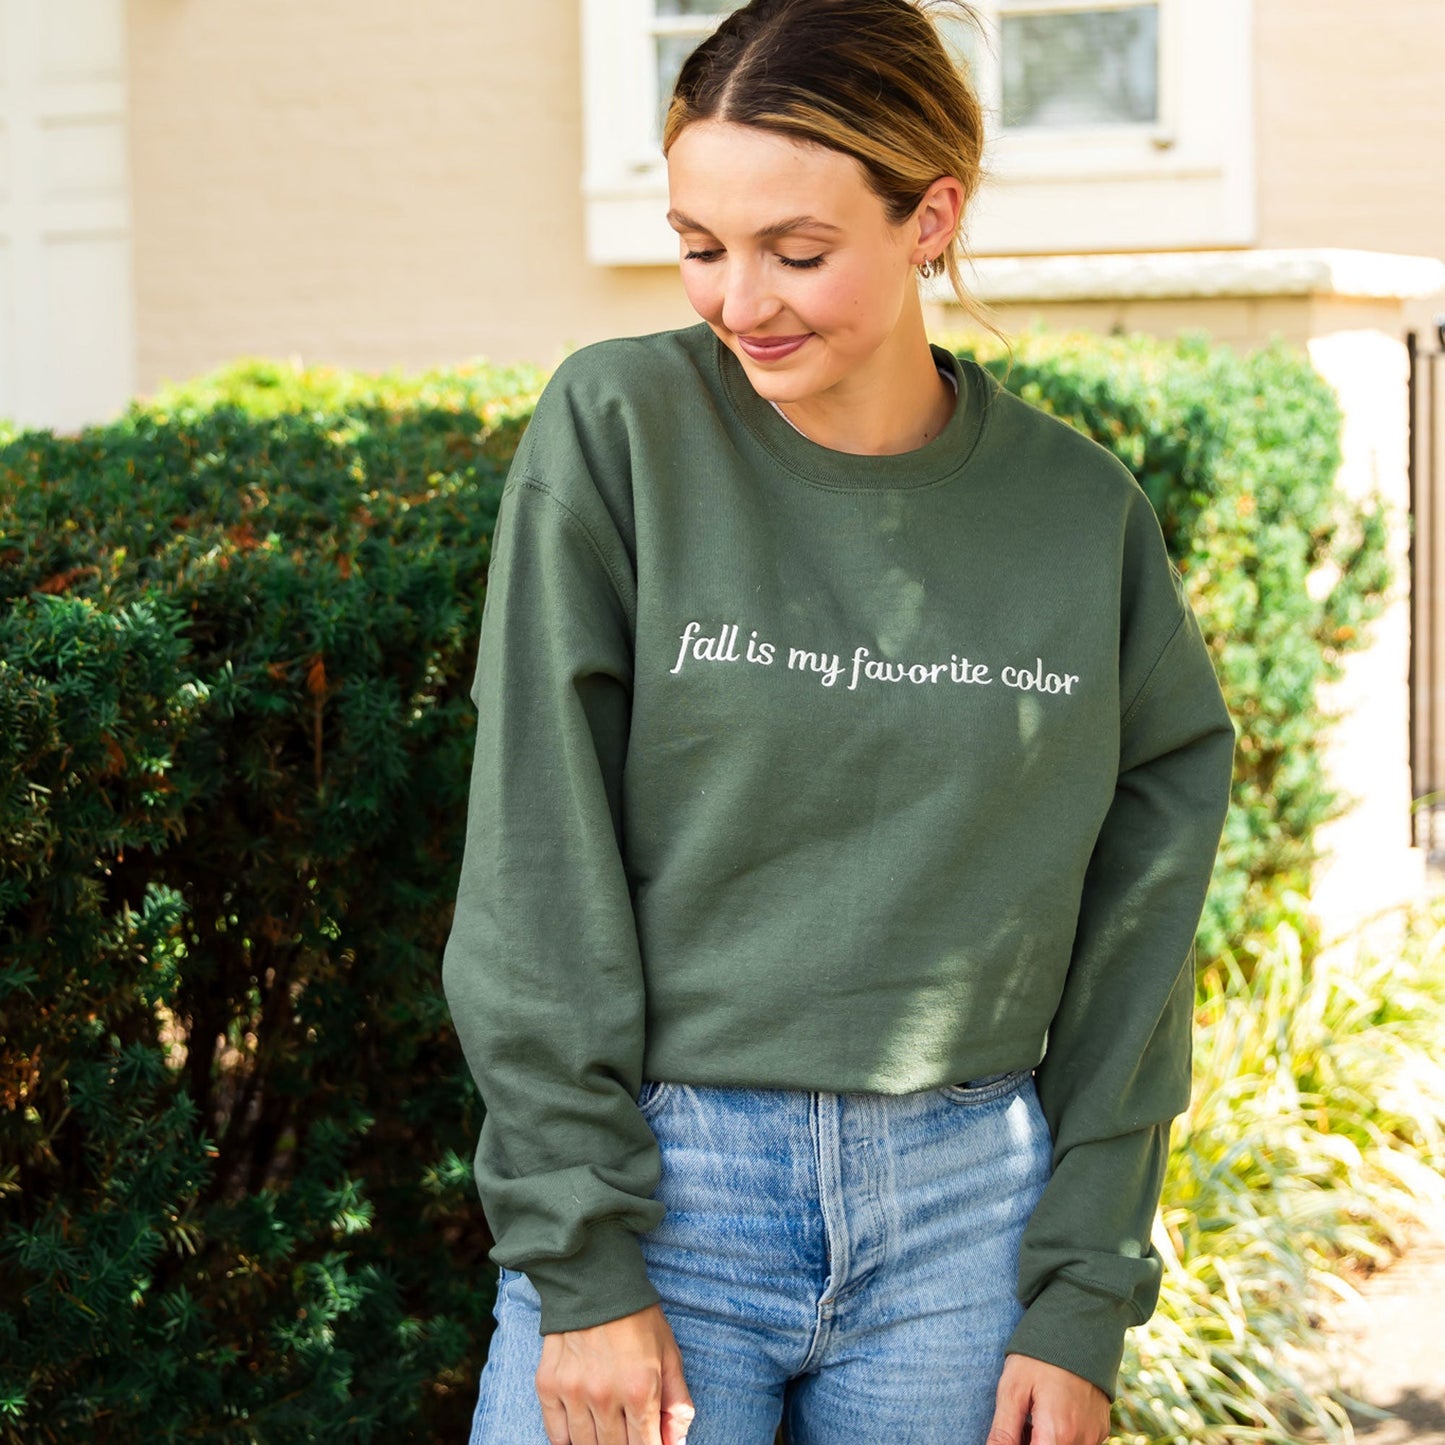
pixel 768 233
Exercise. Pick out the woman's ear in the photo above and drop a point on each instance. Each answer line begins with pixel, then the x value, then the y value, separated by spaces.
pixel 938 216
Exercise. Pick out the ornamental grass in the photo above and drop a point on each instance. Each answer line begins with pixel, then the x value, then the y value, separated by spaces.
pixel 1314 1144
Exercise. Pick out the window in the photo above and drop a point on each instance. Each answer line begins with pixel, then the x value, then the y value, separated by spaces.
pixel 1113 124
pixel 677 27
pixel 1073 68
pixel 631 53
pixel 1058 72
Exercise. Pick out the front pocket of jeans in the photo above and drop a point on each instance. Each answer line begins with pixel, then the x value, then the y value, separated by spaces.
pixel 987 1090
pixel 652 1096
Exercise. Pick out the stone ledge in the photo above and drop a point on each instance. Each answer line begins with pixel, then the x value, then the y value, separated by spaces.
pixel 1187 275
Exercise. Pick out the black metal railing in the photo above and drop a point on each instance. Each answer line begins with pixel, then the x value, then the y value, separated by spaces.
pixel 1427 562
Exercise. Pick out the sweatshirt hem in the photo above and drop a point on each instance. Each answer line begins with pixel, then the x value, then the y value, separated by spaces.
pixel 604 1280
pixel 1079 1330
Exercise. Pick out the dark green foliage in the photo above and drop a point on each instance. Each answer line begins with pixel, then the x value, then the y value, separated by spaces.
pixel 237 629
pixel 234 745
pixel 1238 452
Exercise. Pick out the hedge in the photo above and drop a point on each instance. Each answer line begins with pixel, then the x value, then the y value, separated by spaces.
pixel 237 628
pixel 234 741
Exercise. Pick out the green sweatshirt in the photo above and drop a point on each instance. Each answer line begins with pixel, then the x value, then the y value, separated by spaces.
pixel 802 769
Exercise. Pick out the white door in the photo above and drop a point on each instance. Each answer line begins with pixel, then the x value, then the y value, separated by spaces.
pixel 67 309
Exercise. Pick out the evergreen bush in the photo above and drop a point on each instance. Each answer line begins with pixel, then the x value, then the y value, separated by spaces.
pixel 234 741
pixel 237 629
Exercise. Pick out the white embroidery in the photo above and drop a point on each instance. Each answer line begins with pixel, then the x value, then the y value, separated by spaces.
pixel 697 646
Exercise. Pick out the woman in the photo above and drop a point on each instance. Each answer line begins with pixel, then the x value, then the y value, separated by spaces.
pixel 845 739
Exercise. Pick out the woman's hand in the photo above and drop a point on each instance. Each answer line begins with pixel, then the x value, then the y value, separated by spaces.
pixel 1041 1404
pixel 618 1383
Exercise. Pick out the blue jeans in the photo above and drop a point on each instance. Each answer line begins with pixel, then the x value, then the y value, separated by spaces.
pixel 845 1261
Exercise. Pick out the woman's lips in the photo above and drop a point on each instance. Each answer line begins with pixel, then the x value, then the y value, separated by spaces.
pixel 771 348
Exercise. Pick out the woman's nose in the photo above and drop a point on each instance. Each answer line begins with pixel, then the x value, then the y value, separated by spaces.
pixel 748 300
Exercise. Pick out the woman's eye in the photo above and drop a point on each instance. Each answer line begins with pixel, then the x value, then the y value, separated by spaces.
pixel 798 263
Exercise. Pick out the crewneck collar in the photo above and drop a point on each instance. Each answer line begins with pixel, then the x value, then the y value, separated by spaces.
pixel 934 462
pixel 945 372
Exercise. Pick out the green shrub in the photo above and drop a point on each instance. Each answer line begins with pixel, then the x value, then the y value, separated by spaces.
pixel 234 1125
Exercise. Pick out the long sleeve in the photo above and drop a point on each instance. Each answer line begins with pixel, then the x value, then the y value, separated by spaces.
pixel 1116 1067
pixel 542 968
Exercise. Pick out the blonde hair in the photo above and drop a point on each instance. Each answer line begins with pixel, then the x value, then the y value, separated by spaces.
pixel 870 78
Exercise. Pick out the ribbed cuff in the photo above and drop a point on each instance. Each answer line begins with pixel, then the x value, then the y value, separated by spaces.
pixel 1080 1330
pixel 603 1281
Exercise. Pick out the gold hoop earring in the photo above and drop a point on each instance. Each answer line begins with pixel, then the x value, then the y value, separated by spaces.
pixel 934 266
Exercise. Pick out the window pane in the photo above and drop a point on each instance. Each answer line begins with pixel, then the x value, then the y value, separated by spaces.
pixel 695 7
pixel 672 50
pixel 961 39
pixel 1083 67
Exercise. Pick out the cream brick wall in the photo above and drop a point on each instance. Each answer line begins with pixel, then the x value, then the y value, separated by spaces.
pixel 1351 128
pixel 365 182
pixel 1352 124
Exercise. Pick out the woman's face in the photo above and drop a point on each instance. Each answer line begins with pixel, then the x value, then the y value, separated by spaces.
pixel 789 256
